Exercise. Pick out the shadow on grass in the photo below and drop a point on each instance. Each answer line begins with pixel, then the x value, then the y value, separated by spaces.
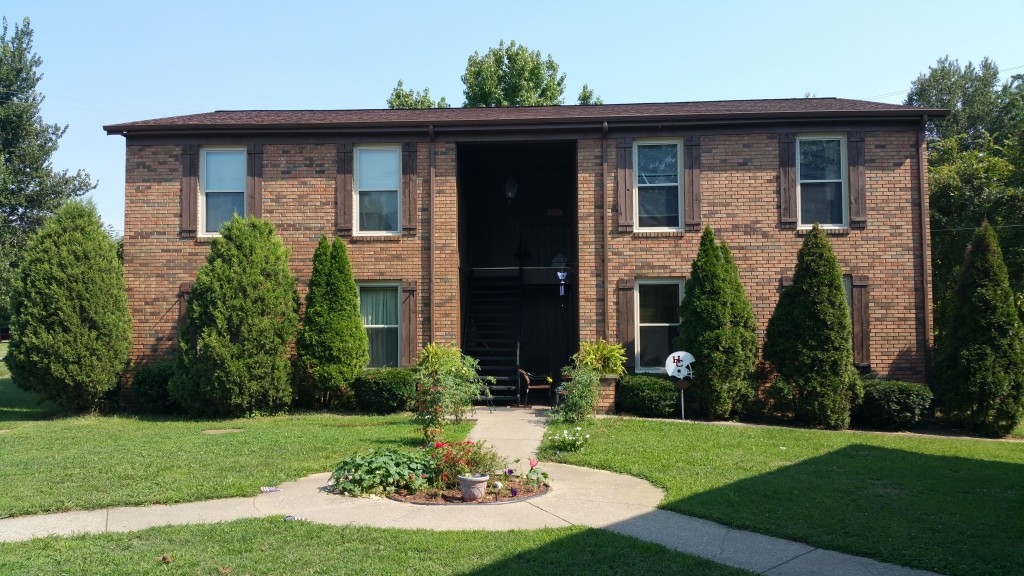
pixel 16 405
pixel 948 514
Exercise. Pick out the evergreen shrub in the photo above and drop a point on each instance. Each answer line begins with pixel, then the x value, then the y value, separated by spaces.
pixel 385 390
pixel 150 386
pixel 582 391
pixel 71 330
pixel 892 404
pixel 647 395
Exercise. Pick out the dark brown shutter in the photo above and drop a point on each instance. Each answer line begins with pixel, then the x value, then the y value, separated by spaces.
pixel 343 191
pixel 184 290
pixel 409 184
pixel 627 321
pixel 624 175
pixel 691 182
pixel 408 329
pixel 254 181
pixel 861 323
pixel 787 180
pixel 858 199
pixel 189 189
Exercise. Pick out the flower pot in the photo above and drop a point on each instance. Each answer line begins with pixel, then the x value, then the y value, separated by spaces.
pixel 473 487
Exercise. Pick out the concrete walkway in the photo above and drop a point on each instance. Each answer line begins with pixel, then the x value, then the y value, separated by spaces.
pixel 579 496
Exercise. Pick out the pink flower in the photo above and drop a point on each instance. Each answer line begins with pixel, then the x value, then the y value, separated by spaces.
pixel 533 463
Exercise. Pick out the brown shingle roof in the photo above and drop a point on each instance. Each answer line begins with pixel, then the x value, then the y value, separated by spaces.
pixel 654 112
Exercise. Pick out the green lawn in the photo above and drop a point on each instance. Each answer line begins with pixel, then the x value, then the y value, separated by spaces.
pixel 953 505
pixel 272 546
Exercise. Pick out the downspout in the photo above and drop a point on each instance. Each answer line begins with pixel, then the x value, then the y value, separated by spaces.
pixel 430 208
pixel 604 227
pixel 925 257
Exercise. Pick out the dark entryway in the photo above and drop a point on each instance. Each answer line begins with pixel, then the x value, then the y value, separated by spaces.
pixel 517 230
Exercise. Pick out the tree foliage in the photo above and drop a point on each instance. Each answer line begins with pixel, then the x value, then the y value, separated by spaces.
pixel 332 345
pixel 809 341
pixel 512 75
pixel 588 97
pixel 978 373
pixel 970 93
pixel 409 98
pixel 30 189
pixel 240 320
pixel 71 329
pixel 718 327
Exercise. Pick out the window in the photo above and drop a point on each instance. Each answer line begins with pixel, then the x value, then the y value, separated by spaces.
pixel 378 182
pixel 821 178
pixel 658 314
pixel 379 305
pixel 658 197
pixel 222 174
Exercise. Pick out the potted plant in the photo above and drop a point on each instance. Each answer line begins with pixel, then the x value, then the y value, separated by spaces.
pixel 465 464
pixel 608 359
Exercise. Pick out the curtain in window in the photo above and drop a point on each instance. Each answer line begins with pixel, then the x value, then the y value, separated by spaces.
pixel 380 311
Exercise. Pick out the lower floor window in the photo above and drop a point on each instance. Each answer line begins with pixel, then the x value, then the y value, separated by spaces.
pixel 658 314
pixel 379 305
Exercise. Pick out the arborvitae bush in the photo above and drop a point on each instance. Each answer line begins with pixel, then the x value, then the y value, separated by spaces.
pixel 149 386
pixel 809 341
pixel 978 374
pixel 892 405
pixel 241 319
pixel 647 395
pixel 332 345
pixel 717 326
pixel 71 330
pixel 385 390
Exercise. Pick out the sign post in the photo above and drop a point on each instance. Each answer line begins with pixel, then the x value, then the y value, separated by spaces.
pixel 679 365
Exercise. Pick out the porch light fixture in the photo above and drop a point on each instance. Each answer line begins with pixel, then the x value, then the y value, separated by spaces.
pixel 511 188
pixel 559 261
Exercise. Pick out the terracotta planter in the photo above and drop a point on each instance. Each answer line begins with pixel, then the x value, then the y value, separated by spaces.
pixel 473 487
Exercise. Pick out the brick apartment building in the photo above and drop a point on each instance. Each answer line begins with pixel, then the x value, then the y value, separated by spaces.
pixel 459 221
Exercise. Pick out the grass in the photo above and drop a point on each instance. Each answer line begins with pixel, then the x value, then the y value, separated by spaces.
pixel 952 505
pixel 272 546
pixel 16 405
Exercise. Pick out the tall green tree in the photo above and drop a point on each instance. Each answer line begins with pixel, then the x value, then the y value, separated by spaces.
pixel 972 94
pixel 405 98
pixel 332 344
pixel 240 321
pixel 30 189
pixel 978 375
pixel 71 330
pixel 717 326
pixel 809 341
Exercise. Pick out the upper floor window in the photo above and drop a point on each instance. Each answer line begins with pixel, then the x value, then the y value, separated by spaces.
pixel 222 173
pixel 658 185
pixel 658 322
pixel 378 185
pixel 822 181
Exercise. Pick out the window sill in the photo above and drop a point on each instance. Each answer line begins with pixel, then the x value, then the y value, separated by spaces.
pixel 676 233
pixel 833 231
pixel 376 238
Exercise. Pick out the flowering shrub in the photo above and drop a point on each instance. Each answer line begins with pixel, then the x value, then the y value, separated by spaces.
pixel 568 442
pixel 381 472
pixel 450 460
pixel 448 384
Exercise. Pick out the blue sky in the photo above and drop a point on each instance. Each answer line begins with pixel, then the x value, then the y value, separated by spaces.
pixel 109 62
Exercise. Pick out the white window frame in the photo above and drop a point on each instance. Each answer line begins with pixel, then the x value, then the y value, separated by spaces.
pixel 637 340
pixel 201 224
pixel 356 191
pixel 397 288
pixel 637 144
pixel 844 177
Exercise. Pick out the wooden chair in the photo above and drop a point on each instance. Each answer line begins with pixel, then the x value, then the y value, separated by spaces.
pixel 534 382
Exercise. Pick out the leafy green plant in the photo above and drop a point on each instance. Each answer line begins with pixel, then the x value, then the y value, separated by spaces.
pixel 385 390
pixel 240 321
pixel 71 330
pixel 449 460
pixel 647 395
pixel 718 327
pixel 448 384
pixel 892 405
pixel 149 385
pixel 978 374
pixel 381 471
pixel 809 341
pixel 582 391
pixel 567 441
pixel 602 356
pixel 332 344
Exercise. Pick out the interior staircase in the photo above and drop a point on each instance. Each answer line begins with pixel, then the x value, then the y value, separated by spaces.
pixel 491 331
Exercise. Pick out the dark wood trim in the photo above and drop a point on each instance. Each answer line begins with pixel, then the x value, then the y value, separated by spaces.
pixel 184 291
pixel 787 180
pixel 861 316
pixel 924 252
pixel 691 183
pixel 624 178
pixel 254 180
pixel 189 189
pixel 627 321
pixel 409 322
pixel 409 188
pixel 343 190
pixel 857 191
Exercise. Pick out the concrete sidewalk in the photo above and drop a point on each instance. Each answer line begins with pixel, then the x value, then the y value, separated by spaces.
pixel 579 496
